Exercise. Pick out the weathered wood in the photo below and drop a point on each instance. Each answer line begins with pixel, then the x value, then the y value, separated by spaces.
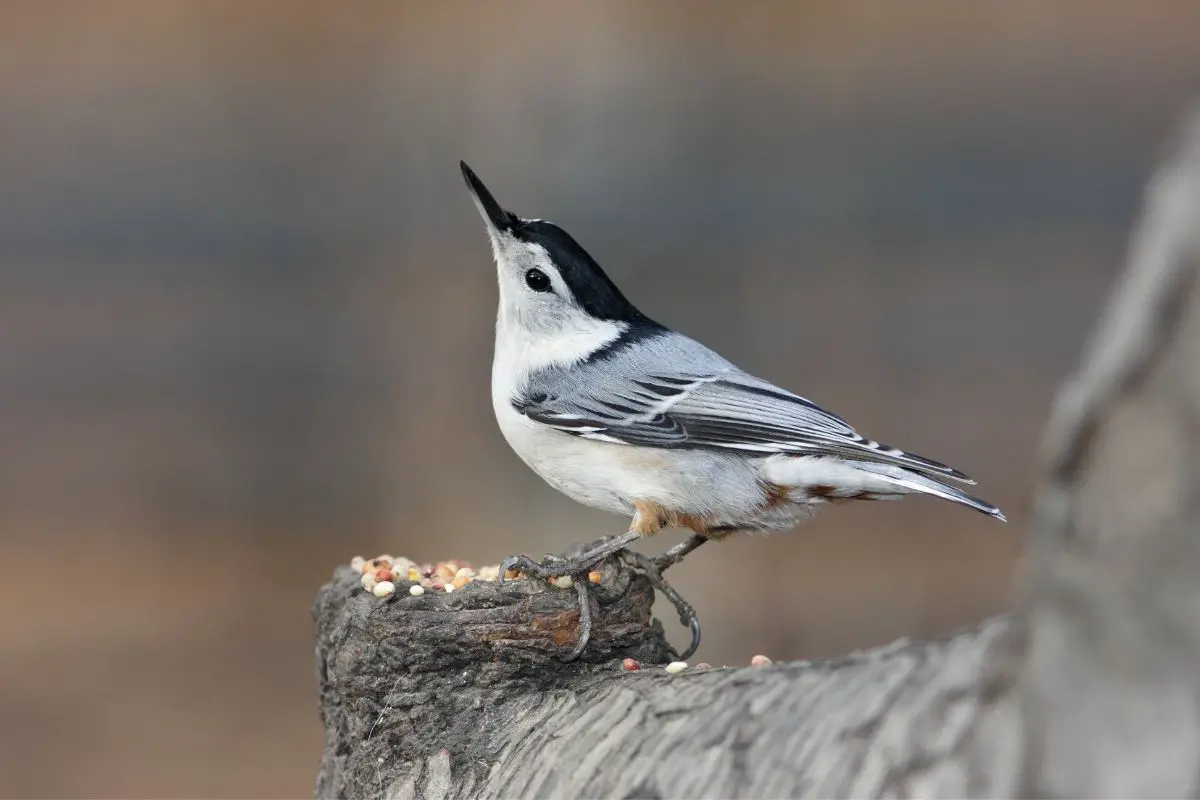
pixel 1091 688
pixel 1108 694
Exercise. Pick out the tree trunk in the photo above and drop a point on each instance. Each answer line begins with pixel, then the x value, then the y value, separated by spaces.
pixel 1091 688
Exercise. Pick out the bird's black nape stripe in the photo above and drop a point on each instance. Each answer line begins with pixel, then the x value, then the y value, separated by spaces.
pixel 591 287
pixel 637 332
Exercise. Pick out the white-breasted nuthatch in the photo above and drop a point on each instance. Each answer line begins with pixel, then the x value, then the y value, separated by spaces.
pixel 624 414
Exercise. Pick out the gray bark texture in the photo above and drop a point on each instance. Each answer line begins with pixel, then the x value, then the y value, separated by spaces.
pixel 1090 688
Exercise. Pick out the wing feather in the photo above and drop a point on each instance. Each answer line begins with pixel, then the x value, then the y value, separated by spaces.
pixel 728 410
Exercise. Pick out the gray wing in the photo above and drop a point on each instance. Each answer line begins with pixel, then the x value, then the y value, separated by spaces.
pixel 721 408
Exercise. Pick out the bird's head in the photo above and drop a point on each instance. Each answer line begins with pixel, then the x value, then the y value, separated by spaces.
pixel 551 289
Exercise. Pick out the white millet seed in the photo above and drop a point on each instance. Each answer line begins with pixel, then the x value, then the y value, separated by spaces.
pixel 368 581
pixel 416 590
pixel 357 562
pixel 676 667
pixel 448 588
pixel 384 588
pixel 563 581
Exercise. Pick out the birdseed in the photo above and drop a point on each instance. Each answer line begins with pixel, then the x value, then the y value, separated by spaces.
pixel 438 576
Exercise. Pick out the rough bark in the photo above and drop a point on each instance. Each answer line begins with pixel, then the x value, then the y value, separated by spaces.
pixel 1091 688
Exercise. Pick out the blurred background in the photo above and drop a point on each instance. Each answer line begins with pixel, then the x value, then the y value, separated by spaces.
pixel 246 313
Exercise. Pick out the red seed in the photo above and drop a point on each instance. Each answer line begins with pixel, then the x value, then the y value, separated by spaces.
pixel 630 665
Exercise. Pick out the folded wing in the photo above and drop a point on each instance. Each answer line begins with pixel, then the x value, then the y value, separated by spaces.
pixel 727 410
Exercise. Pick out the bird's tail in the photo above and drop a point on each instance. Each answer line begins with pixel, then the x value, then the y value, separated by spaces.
pixel 922 484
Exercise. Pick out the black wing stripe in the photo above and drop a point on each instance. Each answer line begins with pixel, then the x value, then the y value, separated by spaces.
pixel 620 409
pixel 659 390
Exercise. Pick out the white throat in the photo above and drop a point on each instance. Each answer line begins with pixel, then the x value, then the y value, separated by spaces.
pixel 529 352
pixel 520 352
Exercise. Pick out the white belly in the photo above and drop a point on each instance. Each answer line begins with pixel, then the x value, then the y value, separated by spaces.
pixel 725 488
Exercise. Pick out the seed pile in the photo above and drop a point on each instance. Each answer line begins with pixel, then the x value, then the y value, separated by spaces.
pixel 381 574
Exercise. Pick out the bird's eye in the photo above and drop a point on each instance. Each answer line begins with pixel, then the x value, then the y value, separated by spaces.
pixel 536 279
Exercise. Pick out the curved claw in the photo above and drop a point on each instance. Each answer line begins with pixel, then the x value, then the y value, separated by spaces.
pixel 585 620
pixel 694 624
pixel 506 565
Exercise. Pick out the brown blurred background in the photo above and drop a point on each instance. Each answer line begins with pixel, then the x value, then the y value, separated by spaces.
pixel 246 312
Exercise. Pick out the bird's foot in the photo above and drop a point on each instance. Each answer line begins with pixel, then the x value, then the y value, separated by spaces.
pixel 653 569
pixel 576 568
pixel 555 567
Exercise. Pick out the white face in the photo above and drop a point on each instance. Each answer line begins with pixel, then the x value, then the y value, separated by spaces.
pixel 538 314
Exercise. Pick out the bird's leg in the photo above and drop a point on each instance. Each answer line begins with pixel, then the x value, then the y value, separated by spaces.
pixel 653 569
pixel 675 554
pixel 555 567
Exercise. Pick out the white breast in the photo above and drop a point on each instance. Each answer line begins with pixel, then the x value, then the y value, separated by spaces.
pixel 578 468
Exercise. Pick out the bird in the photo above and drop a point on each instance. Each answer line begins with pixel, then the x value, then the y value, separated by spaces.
pixel 623 414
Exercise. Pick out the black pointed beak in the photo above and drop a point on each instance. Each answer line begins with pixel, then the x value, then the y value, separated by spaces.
pixel 496 217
